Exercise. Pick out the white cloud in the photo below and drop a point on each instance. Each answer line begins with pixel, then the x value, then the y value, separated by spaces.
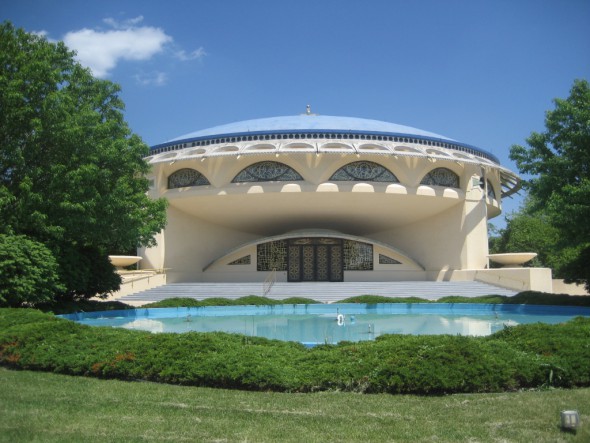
pixel 125 24
pixel 152 78
pixel 42 33
pixel 102 50
pixel 196 54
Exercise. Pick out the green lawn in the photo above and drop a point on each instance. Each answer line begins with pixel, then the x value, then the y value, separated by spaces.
pixel 45 407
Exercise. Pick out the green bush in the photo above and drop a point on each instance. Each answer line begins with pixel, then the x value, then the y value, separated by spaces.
pixel 66 307
pixel 257 300
pixel 518 357
pixel 522 298
pixel 543 298
pixel 216 301
pixel 564 347
pixel 375 299
pixel 299 301
pixel 492 299
pixel 28 272
pixel 528 297
pixel 174 302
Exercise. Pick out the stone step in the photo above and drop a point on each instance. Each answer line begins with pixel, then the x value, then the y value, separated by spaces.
pixel 326 292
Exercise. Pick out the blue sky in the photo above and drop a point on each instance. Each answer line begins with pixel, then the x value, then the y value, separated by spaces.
pixel 481 72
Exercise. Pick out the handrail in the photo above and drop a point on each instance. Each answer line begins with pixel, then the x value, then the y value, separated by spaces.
pixel 144 270
pixel 269 282
pixel 139 275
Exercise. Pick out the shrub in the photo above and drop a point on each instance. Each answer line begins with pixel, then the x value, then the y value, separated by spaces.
pixel 174 302
pixel 479 299
pixel 257 300
pixel 28 272
pixel 299 301
pixel 375 299
pixel 518 357
pixel 564 348
pixel 66 307
pixel 543 298
pixel 216 301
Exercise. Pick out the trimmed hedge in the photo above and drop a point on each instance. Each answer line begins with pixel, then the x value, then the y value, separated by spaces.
pixel 522 298
pixel 527 297
pixel 518 357
pixel 375 299
pixel 217 301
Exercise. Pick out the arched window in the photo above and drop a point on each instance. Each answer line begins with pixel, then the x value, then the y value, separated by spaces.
pixel 186 177
pixel 267 171
pixel 441 177
pixel 364 171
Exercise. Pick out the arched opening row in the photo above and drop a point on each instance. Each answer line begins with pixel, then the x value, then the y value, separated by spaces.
pixel 271 171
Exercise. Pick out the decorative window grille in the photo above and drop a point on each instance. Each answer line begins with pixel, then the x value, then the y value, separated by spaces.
pixel 272 255
pixel 267 171
pixel 246 260
pixel 358 256
pixel 441 177
pixel 364 171
pixel 186 177
pixel 385 260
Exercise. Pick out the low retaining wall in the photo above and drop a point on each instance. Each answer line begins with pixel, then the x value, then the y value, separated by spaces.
pixel 516 279
pixel 560 287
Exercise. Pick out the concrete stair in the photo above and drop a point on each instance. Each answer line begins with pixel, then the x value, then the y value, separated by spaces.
pixel 325 292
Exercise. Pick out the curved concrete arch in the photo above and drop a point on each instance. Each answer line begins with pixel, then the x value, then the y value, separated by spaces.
pixel 317 233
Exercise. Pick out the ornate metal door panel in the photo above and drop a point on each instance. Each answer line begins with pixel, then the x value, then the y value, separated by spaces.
pixel 308 273
pixel 313 259
pixel 336 263
pixel 294 263
pixel 322 261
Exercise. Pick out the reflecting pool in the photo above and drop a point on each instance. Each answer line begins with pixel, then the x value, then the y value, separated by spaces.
pixel 332 323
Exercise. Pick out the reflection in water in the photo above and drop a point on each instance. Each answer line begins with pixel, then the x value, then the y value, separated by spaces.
pixel 323 329
pixel 145 324
pixel 333 324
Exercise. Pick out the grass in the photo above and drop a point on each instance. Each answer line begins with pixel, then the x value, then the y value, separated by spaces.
pixel 56 408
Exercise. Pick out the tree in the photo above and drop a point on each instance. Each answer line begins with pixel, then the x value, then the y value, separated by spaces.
pixel 529 231
pixel 559 162
pixel 29 272
pixel 72 174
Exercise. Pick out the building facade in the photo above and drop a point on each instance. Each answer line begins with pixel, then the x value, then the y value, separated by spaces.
pixel 321 198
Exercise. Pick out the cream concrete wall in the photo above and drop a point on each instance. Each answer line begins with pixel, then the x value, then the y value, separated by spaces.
pixel 435 243
pixel 443 229
pixel 153 258
pixel 454 239
pixel 560 287
pixel 192 244
pixel 518 279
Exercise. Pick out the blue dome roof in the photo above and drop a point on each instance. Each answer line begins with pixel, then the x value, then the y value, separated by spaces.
pixel 314 126
pixel 306 122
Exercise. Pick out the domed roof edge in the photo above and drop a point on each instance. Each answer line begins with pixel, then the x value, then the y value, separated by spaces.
pixel 306 122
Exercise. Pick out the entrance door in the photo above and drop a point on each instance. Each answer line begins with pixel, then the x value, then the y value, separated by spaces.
pixel 315 259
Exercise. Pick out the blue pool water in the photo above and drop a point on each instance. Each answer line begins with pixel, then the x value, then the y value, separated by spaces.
pixel 315 324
